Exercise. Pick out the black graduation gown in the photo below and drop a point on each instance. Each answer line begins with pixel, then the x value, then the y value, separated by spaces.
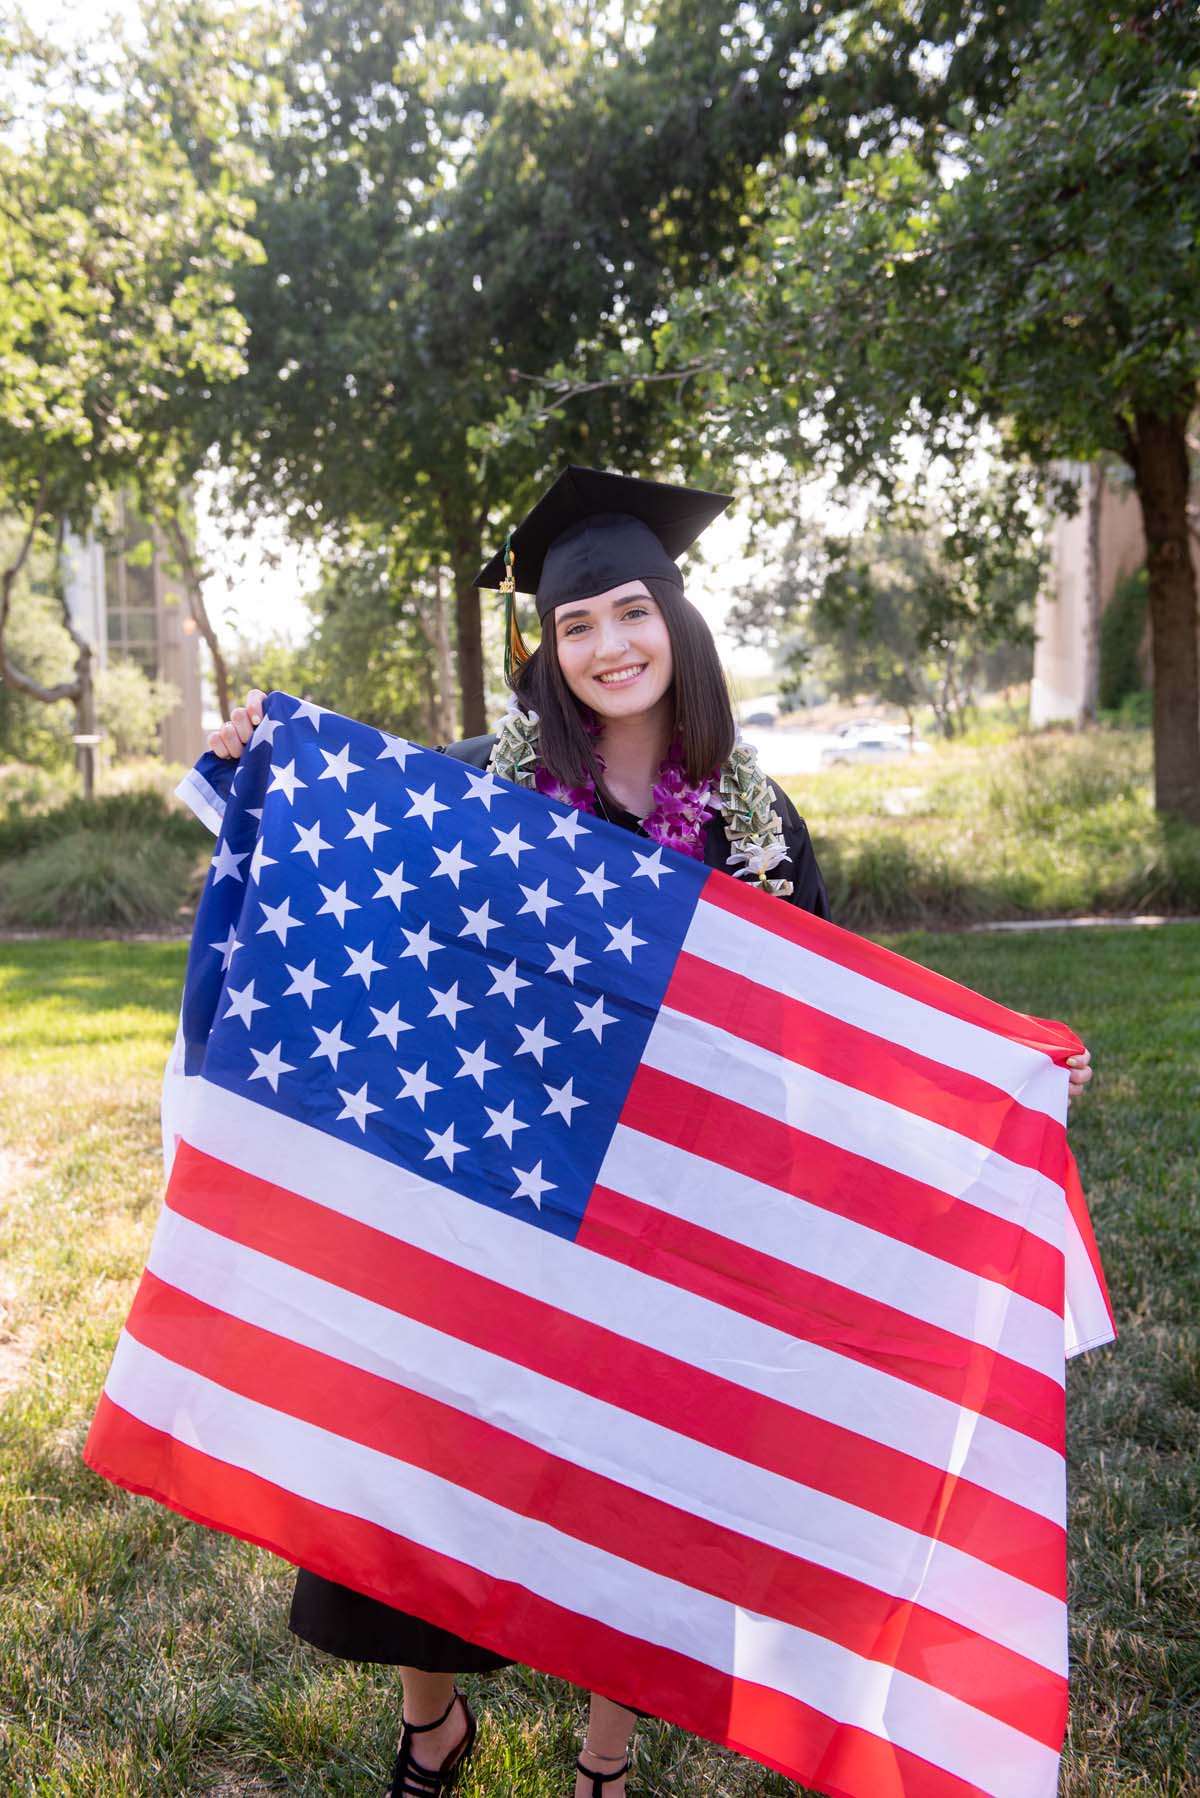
pixel 356 1628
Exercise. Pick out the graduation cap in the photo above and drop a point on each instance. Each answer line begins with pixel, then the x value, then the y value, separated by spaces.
pixel 591 531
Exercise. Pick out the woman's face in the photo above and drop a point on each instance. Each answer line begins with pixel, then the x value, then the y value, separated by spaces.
pixel 615 650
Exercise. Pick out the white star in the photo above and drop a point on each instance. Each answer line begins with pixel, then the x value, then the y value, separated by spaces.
pixel 264 731
pixel 339 767
pixel 479 922
pixel 260 860
pixel 651 866
pixel 448 1004
pixel 562 1100
pixel 593 1018
pixel 565 961
pixel 228 948
pixel 535 1042
pixel 624 939
pixel 331 1044
pixel 421 944
pixel 356 1106
pixel 253 811
pixel 243 1004
pixel 270 1066
pixel 484 787
pixel 392 886
pixel 568 827
pixel 504 1123
pixel 530 1184
pixel 365 826
pixel 417 1086
pixel 444 1145
pixel 306 709
pixel 362 963
pixel 593 882
pixel 226 862
pixel 451 862
pixel 424 805
pixel 337 903
pixel 285 780
pixel 506 982
pixel 538 901
pixel 475 1064
pixel 389 1023
pixel 305 983
pixel 510 843
pixel 311 841
pixel 278 918
pixel 395 749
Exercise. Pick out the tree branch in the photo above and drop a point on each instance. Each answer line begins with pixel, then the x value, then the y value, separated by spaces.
pixel 192 585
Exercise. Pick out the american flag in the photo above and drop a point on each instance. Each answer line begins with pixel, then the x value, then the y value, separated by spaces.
pixel 617 1266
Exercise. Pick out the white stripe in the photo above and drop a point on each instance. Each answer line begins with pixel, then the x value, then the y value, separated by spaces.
pixel 441 1516
pixel 203 799
pixel 717 1198
pixel 488 1242
pixel 782 966
pixel 859 1122
pixel 619 1445
pixel 1087 1324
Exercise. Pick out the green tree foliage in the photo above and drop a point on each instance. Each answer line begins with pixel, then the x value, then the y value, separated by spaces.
pixel 1031 266
pixel 464 203
pixel 912 610
pixel 123 219
pixel 130 706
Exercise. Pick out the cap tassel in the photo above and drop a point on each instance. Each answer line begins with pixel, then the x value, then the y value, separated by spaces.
pixel 515 652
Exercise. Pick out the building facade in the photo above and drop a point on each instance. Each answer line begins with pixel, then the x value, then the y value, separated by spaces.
pixel 123 600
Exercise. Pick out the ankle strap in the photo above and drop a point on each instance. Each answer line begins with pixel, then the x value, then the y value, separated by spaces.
pixel 601 1779
pixel 417 1729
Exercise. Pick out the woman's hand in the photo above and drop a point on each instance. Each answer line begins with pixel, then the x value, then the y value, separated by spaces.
pixel 1081 1073
pixel 233 736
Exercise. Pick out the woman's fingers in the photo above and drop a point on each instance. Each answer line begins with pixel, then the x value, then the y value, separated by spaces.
pixel 1081 1072
pixel 239 727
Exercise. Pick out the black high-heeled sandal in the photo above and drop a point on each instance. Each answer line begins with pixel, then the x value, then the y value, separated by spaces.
pixel 600 1780
pixel 410 1779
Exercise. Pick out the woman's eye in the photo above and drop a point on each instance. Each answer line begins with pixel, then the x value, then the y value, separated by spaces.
pixel 636 612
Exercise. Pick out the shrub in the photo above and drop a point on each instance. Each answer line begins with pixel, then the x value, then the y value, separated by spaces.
pixel 1122 627
pixel 94 878
pixel 117 814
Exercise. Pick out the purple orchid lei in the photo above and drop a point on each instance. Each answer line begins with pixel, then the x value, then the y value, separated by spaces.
pixel 681 811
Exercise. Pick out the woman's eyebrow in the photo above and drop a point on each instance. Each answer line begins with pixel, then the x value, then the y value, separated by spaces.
pixel 583 612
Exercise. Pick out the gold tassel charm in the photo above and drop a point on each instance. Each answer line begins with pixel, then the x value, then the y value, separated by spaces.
pixel 515 652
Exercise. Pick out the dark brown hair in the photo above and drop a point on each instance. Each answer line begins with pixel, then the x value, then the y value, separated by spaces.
pixel 703 714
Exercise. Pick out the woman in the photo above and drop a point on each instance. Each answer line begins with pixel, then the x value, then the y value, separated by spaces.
pixel 622 710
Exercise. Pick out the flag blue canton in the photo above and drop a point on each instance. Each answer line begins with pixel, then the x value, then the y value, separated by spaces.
pixel 447 970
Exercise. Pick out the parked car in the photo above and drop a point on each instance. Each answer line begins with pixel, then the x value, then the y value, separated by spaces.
pixel 871 742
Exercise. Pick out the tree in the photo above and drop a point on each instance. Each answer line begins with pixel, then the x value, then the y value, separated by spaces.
pixel 463 203
pixel 118 242
pixel 1037 276
pixel 916 608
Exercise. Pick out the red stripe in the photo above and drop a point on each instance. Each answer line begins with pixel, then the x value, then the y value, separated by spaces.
pixel 387 1417
pixel 611 1367
pixel 853 1186
pixel 818 1310
pixel 799 1742
pixel 811 1038
pixel 875 962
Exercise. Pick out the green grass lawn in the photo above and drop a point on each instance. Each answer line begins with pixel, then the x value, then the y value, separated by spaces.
pixel 140 1654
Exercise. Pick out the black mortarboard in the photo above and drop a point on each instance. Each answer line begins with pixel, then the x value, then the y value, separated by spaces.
pixel 592 530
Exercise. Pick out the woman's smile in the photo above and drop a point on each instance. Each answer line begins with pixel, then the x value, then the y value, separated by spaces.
pixel 619 676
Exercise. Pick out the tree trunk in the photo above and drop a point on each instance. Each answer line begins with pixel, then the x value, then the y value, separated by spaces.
pixel 465 540
pixel 85 719
pixel 445 663
pixel 1158 454
pixel 193 585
